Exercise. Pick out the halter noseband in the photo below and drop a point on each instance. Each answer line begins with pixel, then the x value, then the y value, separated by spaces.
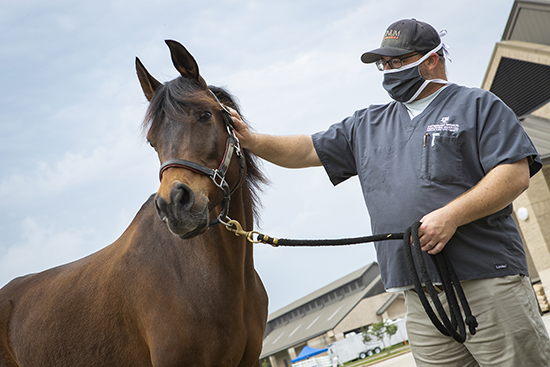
pixel 216 175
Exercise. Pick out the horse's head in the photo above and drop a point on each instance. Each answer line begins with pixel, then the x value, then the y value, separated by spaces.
pixel 192 133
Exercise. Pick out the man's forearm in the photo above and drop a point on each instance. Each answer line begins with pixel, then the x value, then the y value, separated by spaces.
pixel 294 151
pixel 494 192
pixel 502 185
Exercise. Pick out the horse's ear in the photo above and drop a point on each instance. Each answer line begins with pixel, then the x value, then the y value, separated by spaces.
pixel 183 61
pixel 148 83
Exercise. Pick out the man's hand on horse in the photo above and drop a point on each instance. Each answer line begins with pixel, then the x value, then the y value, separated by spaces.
pixel 241 129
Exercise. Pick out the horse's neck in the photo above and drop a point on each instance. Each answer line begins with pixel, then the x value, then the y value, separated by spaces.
pixel 241 211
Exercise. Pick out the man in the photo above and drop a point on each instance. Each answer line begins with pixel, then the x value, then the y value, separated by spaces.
pixel 454 158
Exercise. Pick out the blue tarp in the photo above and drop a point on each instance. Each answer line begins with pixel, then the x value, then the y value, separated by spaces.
pixel 308 352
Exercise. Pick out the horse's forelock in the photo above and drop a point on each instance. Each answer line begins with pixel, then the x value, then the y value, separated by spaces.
pixel 173 99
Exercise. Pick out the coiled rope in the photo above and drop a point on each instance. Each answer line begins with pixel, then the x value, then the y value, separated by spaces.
pixel 453 327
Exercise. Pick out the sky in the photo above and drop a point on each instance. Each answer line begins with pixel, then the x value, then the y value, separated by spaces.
pixel 75 167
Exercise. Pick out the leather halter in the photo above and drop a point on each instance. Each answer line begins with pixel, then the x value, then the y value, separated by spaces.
pixel 216 175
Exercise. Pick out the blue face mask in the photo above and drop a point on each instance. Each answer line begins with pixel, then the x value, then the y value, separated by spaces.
pixel 405 84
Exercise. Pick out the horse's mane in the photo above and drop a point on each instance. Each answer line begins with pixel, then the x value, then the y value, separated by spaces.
pixel 175 97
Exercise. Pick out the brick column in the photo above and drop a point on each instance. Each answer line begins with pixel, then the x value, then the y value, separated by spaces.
pixel 536 228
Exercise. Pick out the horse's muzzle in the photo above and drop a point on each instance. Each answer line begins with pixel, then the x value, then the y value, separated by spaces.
pixel 184 217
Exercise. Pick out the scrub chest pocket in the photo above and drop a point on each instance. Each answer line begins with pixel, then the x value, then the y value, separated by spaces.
pixel 441 158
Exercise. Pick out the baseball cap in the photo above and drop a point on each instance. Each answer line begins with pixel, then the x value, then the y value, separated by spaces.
pixel 403 37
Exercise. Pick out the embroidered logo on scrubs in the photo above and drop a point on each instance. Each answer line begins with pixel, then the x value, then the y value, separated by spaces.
pixel 501 266
pixel 443 125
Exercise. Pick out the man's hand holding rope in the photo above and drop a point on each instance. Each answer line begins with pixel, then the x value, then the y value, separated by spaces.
pixel 495 191
pixel 436 230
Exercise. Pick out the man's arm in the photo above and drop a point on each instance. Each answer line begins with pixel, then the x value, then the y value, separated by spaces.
pixel 294 151
pixel 495 191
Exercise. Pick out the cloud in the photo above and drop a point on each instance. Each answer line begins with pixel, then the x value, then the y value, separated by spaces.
pixel 73 170
pixel 41 248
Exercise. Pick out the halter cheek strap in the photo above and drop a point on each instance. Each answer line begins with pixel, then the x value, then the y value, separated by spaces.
pixel 232 146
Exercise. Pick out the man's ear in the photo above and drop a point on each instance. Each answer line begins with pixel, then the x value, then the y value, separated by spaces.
pixel 433 60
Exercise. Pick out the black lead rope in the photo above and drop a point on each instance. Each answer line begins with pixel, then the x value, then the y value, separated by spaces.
pixel 451 284
pixel 443 265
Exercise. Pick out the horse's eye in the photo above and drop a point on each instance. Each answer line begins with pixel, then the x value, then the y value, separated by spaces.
pixel 205 116
pixel 151 144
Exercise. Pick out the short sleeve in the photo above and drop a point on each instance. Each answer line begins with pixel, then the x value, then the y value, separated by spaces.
pixel 335 150
pixel 502 139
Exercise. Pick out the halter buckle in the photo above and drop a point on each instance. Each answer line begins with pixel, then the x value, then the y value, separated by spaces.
pixel 219 180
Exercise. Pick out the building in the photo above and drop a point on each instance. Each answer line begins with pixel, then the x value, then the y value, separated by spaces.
pixel 519 73
pixel 328 314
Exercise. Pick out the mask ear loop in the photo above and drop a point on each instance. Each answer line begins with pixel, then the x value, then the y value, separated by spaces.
pixel 414 64
pixel 426 82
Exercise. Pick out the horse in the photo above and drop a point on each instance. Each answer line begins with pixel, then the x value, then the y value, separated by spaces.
pixel 176 288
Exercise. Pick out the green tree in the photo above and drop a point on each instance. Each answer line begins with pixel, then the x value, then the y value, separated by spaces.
pixel 366 336
pixel 378 330
pixel 391 329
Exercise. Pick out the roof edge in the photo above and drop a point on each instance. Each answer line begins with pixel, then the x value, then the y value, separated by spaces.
pixel 516 8
pixel 327 288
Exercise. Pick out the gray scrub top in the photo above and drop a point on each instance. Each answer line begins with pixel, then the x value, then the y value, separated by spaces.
pixel 408 168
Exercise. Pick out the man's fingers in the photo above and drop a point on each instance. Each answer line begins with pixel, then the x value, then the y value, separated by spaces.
pixel 436 249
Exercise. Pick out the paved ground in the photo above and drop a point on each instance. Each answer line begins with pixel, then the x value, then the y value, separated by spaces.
pixel 406 360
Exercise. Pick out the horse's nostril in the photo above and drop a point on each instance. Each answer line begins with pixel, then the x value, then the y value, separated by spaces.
pixel 182 200
pixel 183 196
pixel 161 204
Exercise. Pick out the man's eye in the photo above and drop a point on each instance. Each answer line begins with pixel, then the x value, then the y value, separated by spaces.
pixel 396 63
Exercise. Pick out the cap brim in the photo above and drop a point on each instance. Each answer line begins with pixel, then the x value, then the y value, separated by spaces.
pixel 375 55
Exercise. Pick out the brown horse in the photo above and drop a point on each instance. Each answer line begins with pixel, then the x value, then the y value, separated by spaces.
pixel 177 288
